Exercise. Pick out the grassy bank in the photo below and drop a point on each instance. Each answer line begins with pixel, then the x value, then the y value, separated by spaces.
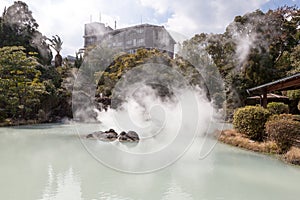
pixel 234 138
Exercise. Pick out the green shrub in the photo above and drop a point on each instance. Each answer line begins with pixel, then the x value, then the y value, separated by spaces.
pixel 250 120
pixel 282 131
pixel 278 108
pixel 3 114
pixel 283 117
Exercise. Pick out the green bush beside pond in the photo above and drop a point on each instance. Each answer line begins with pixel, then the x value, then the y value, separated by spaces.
pixel 283 129
pixel 278 108
pixel 250 120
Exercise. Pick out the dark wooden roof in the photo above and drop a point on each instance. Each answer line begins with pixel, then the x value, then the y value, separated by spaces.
pixel 269 96
pixel 288 83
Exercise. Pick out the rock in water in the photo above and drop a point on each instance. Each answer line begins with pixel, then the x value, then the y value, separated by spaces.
pixel 91 135
pixel 122 136
pixel 110 135
pixel 131 136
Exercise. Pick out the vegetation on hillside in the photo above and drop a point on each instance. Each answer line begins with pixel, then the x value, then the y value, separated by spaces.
pixel 19 28
pixel 30 88
pixel 256 48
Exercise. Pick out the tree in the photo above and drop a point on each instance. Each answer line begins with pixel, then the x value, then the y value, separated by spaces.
pixel 19 28
pixel 78 60
pixel 20 86
pixel 256 48
pixel 166 80
pixel 56 44
pixel 295 60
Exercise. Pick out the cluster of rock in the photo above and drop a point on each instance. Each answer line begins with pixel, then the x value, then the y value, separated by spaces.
pixel 111 135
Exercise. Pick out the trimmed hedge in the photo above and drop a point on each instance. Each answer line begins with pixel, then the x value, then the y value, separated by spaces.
pixel 277 108
pixel 250 121
pixel 283 117
pixel 282 131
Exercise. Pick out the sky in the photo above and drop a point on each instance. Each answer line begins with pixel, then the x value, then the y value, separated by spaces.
pixel 66 18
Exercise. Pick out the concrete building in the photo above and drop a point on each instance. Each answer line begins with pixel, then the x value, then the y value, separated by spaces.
pixel 129 39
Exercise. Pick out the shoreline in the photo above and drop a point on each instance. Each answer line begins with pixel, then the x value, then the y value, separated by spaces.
pixel 9 123
pixel 20 123
pixel 233 138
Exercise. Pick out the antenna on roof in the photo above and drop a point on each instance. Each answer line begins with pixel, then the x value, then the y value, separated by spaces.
pixel 115 24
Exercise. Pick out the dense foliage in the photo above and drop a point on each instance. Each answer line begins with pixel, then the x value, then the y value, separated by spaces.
pixel 19 28
pixel 283 130
pixel 124 63
pixel 278 108
pixel 250 120
pixel 283 117
pixel 20 85
pixel 256 48
pixel 294 96
pixel 29 90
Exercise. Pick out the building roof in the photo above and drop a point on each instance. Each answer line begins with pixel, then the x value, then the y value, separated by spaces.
pixel 269 96
pixel 142 26
pixel 288 83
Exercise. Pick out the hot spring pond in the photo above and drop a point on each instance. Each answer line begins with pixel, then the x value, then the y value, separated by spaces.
pixel 50 162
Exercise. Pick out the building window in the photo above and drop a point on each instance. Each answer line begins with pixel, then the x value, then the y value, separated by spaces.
pixel 90 41
pixel 140 30
pixel 120 44
pixel 129 42
pixel 131 51
pixel 141 41
pixel 156 35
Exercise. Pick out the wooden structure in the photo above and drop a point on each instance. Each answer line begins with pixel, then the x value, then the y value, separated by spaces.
pixel 288 83
pixel 254 100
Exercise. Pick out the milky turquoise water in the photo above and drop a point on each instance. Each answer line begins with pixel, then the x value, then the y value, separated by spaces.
pixel 50 162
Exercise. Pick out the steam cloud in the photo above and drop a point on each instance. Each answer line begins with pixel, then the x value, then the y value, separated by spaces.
pixel 167 122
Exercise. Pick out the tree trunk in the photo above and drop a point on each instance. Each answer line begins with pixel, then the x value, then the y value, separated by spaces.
pixel 58 60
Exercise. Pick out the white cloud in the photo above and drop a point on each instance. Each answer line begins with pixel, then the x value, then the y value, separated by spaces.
pixel 195 16
pixel 3 4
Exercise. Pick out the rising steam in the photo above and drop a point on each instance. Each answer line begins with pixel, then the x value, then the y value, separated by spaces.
pixel 155 100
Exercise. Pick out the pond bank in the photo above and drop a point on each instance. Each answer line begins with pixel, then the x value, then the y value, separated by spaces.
pixel 10 122
pixel 232 137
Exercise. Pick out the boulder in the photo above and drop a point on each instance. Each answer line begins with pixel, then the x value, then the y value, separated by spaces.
pixel 109 135
pixel 131 136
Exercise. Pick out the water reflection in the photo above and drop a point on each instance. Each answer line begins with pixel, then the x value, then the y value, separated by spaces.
pixel 175 192
pixel 62 185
